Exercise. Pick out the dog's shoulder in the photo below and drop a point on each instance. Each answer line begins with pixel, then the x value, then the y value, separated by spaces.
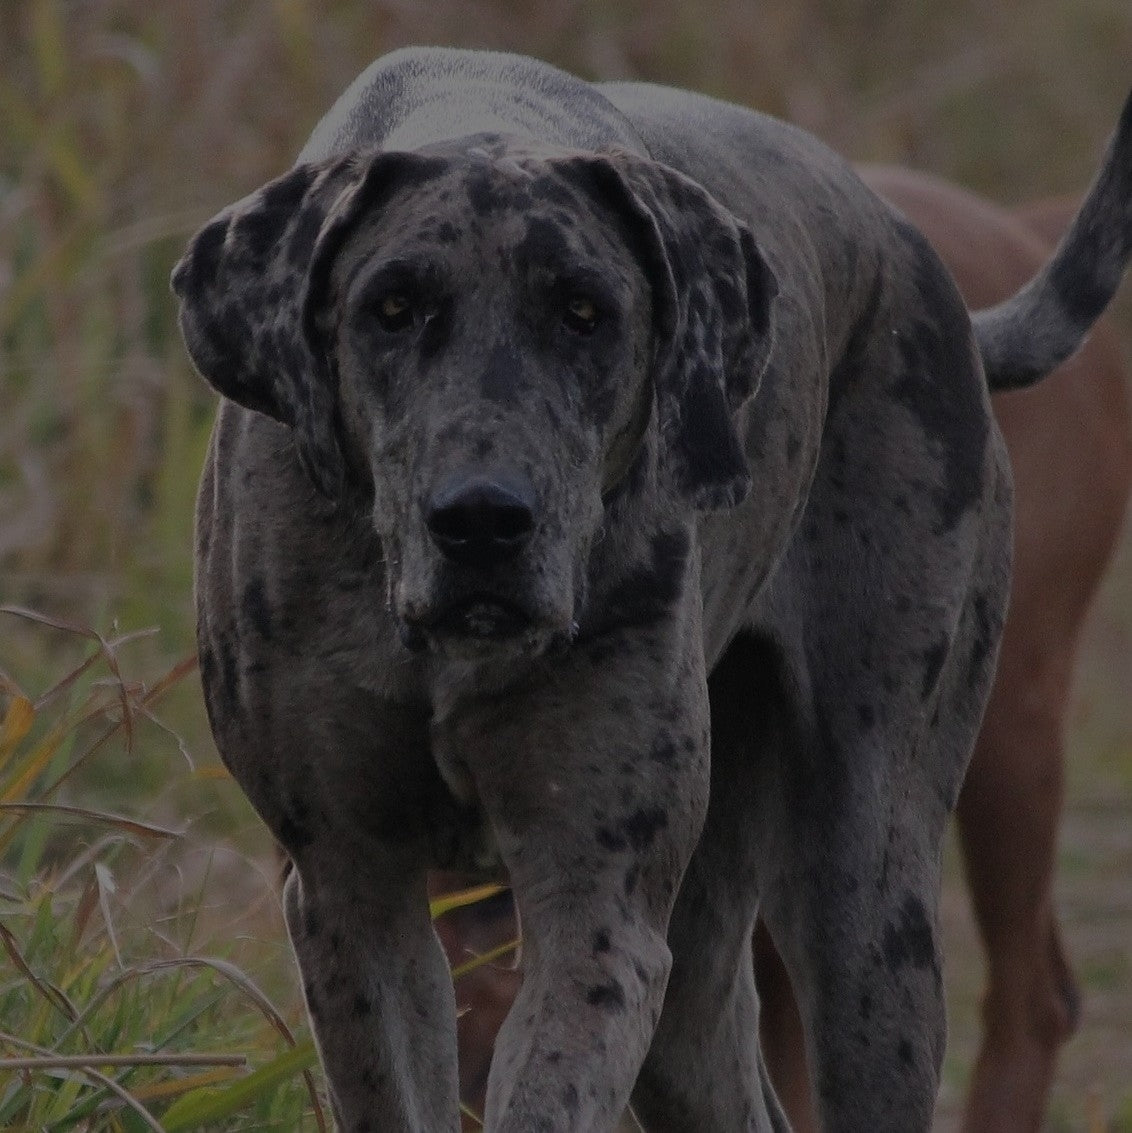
pixel 826 235
pixel 748 159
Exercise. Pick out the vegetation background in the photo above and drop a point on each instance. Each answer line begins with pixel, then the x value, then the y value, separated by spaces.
pixel 146 921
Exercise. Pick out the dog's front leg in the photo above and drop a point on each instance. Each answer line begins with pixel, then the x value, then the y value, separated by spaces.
pixel 596 784
pixel 377 987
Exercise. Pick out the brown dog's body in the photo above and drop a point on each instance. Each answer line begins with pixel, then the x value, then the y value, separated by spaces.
pixel 1071 447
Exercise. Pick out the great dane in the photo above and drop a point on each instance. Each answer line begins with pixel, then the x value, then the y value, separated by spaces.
pixel 606 485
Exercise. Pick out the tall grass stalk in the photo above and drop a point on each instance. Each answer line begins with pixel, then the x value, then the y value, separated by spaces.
pixel 109 1015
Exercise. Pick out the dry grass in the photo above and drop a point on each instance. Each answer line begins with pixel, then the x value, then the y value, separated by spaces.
pixel 121 1007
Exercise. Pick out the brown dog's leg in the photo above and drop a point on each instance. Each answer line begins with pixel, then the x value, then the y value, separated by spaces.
pixel 782 1036
pixel 1008 815
pixel 485 992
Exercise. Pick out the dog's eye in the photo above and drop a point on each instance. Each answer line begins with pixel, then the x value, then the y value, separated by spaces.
pixel 581 314
pixel 394 311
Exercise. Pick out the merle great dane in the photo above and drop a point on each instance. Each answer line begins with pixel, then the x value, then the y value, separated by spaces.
pixel 606 487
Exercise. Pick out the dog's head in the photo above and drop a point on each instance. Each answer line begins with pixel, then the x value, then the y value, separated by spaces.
pixel 489 344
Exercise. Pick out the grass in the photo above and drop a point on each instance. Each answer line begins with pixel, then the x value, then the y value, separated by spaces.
pixel 137 890
pixel 117 1011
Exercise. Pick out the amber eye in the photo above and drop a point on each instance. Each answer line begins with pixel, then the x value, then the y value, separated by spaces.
pixel 394 312
pixel 580 314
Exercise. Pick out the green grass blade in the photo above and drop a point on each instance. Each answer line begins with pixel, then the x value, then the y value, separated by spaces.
pixel 212 1104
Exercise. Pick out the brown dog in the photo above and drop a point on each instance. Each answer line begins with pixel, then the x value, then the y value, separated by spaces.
pixel 1071 447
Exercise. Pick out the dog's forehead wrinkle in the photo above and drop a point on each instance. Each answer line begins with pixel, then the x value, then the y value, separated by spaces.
pixel 534 222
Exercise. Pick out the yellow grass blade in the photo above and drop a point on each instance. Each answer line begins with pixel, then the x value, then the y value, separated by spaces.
pixel 463 898
pixel 175 1087
pixel 206 1106
pixel 35 762
pixel 16 724
pixel 484 958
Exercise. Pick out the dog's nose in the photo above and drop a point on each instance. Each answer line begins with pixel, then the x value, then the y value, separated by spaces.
pixel 481 520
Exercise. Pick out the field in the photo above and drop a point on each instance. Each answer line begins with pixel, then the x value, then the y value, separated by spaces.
pixel 137 893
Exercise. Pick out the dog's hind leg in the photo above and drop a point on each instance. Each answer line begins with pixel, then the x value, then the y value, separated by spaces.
pixel 889 622
pixel 1071 451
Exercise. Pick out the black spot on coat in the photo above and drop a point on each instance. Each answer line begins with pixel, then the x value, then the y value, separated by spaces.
pixel 609 996
pixel 909 940
pixel 933 659
pixel 650 590
pixel 255 608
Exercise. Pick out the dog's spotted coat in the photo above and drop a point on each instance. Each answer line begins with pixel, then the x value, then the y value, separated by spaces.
pixel 573 433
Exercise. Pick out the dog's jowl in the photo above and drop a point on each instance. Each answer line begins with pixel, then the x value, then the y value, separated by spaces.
pixel 605 488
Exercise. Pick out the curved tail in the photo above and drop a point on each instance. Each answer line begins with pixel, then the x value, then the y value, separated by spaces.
pixel 1027 336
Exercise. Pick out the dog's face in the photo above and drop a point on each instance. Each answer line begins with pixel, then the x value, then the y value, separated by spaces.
pixel 484 342
pixel 492 330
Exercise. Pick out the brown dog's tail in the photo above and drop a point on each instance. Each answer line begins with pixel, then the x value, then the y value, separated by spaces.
pixel 1024 338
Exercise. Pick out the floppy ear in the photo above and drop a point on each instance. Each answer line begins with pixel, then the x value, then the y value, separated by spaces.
pixel 253 284
pixel 713 297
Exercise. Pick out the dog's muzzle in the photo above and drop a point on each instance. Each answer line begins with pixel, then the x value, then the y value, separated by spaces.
pixel 480 523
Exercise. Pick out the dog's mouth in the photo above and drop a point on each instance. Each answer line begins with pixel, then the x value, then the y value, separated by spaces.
pixel 476 619
pixel 483 617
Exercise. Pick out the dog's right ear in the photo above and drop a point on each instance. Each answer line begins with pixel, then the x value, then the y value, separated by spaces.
pixel 252 284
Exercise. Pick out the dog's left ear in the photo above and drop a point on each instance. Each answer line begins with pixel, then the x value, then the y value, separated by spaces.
pixel 713 300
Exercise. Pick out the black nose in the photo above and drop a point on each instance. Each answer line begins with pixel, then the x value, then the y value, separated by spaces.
pixel 481 520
